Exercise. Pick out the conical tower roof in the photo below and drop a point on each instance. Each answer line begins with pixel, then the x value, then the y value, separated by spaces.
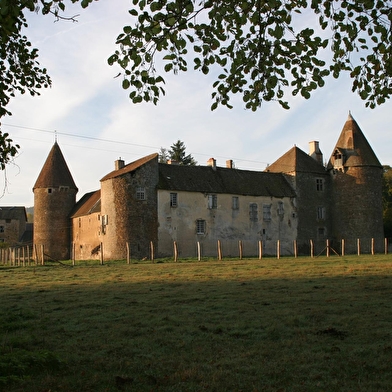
pixel 55 171
pixel 353 144
pixel 296 160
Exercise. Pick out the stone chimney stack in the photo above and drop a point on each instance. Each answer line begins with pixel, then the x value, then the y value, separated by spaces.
pixel 119 164
pixel 212 162
pixel 229 163
pixel 314 151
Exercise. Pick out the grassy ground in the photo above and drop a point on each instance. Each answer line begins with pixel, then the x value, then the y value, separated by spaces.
pixel 322 324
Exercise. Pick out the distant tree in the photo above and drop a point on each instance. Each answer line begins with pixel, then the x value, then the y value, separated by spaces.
pixel 163 156
pixel 387 200
pixel 177 153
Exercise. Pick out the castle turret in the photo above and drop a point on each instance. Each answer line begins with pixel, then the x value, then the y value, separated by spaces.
pixel 54 198
pixel 357 186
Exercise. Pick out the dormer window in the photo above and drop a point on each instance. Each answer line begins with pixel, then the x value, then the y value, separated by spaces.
pixel 338 159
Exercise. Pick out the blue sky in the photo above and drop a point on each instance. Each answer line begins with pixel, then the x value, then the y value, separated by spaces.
pixel 86 103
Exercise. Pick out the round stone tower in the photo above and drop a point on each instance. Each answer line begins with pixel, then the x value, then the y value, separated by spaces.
pixel 357 187
pixel 54 198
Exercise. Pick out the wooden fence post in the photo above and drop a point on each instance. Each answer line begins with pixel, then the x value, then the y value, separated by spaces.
pixel 372 245
pixel 295 248
pixel 327 248
pixel 359 247
pixel 240 248
pixel 219 250
pixel 278 249
pixel 260 250
pixel 343 246
pixel 311 249
pixel 386 245
pixel 198 251
pixel 28 255
pixel 42 254
pixel 128 253
pixel 73 252
pixel 152 251
pixel 175 251
pixel 101 255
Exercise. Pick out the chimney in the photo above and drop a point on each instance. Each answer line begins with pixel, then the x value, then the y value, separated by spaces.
pixel 229 163
pixel 172 162
pixel 119 164
pixel 314 152
pixel 212 162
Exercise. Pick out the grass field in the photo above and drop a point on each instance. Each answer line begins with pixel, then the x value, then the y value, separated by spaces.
pixel 322 324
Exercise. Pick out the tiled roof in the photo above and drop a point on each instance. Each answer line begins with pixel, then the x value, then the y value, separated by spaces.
pixel 130 167
pixel 13 213
pixel 353 144
pixel 223 180
pixel 55 171
pixel 88 204
pixel 296 160
pixel 27 236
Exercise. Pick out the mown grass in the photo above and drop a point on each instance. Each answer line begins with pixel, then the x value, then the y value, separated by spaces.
pixel 304 324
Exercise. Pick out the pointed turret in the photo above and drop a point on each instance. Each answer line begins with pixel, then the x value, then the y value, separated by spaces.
pixel 356 174
pixel 55 171
pixel 352 148
pixel 54 198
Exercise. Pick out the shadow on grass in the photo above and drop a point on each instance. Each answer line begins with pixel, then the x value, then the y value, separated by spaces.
pixel 194 327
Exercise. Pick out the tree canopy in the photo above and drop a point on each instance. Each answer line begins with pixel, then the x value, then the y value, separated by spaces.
pixel 177 153
pixel 261 50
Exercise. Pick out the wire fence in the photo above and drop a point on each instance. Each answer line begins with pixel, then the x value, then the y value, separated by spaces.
pixel 35 255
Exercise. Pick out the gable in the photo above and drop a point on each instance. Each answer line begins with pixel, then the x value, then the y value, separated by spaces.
pixel 296 160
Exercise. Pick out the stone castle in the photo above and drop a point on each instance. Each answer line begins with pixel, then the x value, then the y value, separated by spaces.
pixel 148 205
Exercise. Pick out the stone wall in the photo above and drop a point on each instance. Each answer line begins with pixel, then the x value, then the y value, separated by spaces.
pixel 52 225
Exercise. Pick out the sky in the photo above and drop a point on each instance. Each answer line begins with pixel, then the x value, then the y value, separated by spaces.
pixel 95 123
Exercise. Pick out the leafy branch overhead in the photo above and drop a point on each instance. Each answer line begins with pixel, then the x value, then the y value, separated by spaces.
pixel 255 49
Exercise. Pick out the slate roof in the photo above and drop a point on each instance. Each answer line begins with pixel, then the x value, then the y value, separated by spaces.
pixel 27 236
pixel 223 180
pixel 12 213
pixel 130 167
pixel 354 146
pixel 296 160
pixel 55 171
pixel 88 204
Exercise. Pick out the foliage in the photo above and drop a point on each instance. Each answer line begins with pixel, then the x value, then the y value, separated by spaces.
pixel 163 155
pixel 177 153
pixel 257 48
pixel 387 200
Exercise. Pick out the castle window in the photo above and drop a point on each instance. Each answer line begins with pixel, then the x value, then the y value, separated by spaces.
pixel 212 201
pixel 140 193
pixel 49 190
pixel 320 213
pixel 319 184
pixel 173 199
pixel 1 229
pixel 235 204
pixel 8 221
pixel 200 226
pixel 63 188
pixel 321 231
pixel 280 208
pixel 253 212
pixel 266 212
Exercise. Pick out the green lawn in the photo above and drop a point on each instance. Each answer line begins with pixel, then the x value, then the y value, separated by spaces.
pixel 322 324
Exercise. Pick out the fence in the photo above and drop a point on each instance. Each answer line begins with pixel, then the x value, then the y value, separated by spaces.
pixel 34 255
